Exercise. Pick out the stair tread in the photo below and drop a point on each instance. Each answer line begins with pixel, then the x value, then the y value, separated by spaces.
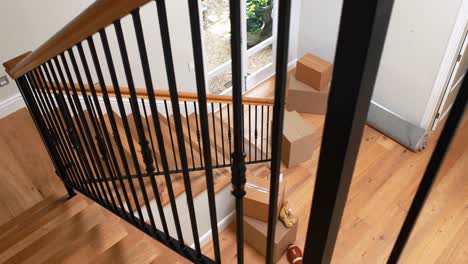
pixel 17 222
pixel 52 242
pixel 133 248
pixel 92 243
pixel 41 225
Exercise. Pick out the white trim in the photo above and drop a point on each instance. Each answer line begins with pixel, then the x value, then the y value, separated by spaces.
pixel 11 105
pixel 223 224
pixel 446 66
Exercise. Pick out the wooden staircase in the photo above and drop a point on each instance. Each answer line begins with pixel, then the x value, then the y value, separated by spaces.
pixel 78 230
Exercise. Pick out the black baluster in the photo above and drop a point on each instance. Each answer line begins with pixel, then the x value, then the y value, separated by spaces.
pixel 238 165
pixel 76 134
pixel 201 92
pixel 123 114
pixel 40 125
pixel 149 87
pixel 284 16
pixel 256 133
pixel 170 135
pixel 267 131
pixel 214 135
pixel 189 133
pixel 198 134
pixel 101 174
pixel 229 131
pixel 150 135
pixel 137 118
pixel 222 132
pixel 261 134
pixel 115 131
pixel 85 131
pixel 166 43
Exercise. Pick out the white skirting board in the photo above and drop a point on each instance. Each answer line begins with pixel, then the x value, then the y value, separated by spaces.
pixel 11 105
pixel 411 136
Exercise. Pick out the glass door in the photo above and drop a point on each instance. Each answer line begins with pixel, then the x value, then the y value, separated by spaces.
pixel 260 41
pixel 258 44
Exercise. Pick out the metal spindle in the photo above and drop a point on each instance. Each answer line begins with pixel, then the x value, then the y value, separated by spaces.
pixel 229 130
pixel 198 134
pixel 170 135
pixel 59 127
pixel 222 132
pixel 361 39
pixel 261 134
pixel 267 131
pixel 79 134
pixel 82 123
pixel 137 118
pixel 189 134
pixel 149 87
pixel 115 131
pixel 256 133
pixel 201 92
pixel 284 17
pixel 166 43
pixel 238 164
pixel 214 135
pixel 150 135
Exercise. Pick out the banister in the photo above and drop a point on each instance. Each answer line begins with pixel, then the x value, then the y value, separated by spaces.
pixel 97 16
pixel 185 96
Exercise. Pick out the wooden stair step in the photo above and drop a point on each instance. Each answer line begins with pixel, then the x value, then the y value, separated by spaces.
pixel 133 248
pixel 41 225
pixel 18 222
pixel 92 243
pixel 52 242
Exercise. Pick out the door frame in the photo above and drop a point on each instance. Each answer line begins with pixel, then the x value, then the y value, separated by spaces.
pixel 448 63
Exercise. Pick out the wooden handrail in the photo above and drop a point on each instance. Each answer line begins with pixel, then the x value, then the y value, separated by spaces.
pixel 185 96
pixel 96 17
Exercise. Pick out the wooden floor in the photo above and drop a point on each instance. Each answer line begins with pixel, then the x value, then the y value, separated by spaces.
pixel 384 182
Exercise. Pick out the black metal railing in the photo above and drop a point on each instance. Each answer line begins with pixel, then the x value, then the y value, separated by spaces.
pixel 122 149
pixel 111 143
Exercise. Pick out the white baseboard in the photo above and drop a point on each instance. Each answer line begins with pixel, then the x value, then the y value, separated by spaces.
pixel 11 105
pixel 223 224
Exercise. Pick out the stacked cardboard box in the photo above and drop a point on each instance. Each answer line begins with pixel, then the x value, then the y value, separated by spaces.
pixel 308 89
pixel 297 144
pixel 256 205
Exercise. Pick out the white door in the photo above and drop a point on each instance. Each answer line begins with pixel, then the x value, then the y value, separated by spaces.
pixel 456 77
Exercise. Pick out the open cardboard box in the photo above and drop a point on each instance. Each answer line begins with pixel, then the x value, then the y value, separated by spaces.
pixel 257 198
pixel 255 234
pixel 298 137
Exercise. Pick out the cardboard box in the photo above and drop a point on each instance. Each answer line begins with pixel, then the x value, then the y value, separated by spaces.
pixel 255 233
pixel 297 139
pixel 304 99
pixel 314 71
pixel 257 197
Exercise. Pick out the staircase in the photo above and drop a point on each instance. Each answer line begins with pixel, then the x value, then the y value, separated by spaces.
pixel 77 230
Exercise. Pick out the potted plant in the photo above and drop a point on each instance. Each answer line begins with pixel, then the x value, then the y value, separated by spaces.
pixel 264 8
pixel 255 24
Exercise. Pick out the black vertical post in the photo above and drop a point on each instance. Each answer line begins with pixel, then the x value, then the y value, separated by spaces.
pixel 362 32
pixel 432 170
pixel 33 110
pixel 201 92
pixel 284 16
pixel 238 161
pixel 171 79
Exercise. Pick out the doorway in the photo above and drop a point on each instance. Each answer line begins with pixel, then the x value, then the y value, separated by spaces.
pixel 258 43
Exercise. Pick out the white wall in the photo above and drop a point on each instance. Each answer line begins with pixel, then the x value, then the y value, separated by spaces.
pixel 417 38
pixel 27 24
